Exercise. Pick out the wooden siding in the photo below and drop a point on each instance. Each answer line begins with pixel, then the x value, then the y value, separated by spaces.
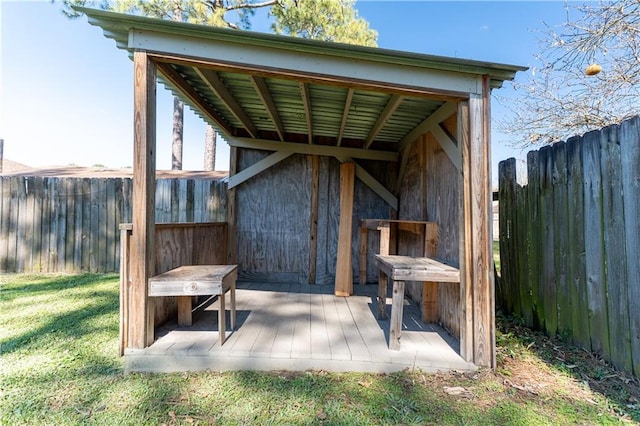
pixel 177 244
pixel 430 191
pixel 274 214
pixel 569 241
pixel 50 224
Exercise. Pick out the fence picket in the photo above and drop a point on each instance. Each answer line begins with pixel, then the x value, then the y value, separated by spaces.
pixel 576 267
pixel 630 159
pixel 54 224
pixel 560 236
pixel 575 237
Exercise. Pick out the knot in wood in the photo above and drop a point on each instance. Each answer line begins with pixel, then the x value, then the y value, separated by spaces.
pixel 191 287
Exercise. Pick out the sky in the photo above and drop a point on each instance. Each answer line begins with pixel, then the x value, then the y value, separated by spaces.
pixel 66 91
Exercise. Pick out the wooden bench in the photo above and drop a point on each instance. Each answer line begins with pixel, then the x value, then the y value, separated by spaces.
pixel 406 268
pixel 198 280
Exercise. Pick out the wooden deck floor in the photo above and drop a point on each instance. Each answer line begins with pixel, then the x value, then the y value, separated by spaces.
pixel 297 327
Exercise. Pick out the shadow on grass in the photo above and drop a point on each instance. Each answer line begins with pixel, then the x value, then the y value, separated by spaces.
pixel 76 323
pixel 620 389
pixel 50 284
pixel 398 398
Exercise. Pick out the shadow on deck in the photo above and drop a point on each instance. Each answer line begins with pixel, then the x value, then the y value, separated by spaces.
pixel 299 327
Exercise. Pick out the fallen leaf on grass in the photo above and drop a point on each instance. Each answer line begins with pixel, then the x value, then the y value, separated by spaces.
pixel 457 390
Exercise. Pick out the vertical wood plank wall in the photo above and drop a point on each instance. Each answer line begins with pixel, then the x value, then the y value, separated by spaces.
pixel 33 210
pixel 570 241
pixel 274 214
pixel 429 191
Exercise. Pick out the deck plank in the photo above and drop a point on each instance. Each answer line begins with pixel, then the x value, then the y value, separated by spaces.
pixel 298 328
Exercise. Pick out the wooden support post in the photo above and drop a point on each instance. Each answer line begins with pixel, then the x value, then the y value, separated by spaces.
pixel 141 307
pixel 466 283
pixel 385 236
pixel 344 274
pixel 232 239
pixel 480 217
pixel 313 219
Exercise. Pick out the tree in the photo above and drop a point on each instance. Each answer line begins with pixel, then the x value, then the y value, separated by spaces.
pixel 329 20
pixel 567 94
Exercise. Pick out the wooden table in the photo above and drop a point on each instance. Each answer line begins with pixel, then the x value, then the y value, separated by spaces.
pixel 401 269
pixel 198 280
pixel 387 231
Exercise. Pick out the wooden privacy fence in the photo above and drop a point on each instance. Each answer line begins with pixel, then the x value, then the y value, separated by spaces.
pixel 50 224
pixel 570 241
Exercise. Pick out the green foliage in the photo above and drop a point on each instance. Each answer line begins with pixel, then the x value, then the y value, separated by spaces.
pixel 59 364
pixel 329 20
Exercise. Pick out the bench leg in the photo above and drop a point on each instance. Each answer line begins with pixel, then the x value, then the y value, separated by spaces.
pixel 184 311
pixel 429 301
pixel 233 305
pixel 222 319
pixel 382 295
pixel 397 306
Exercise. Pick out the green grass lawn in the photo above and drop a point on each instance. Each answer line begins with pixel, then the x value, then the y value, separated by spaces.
pixel 59 364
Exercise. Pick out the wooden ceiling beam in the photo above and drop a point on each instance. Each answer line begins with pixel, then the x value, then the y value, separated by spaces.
pixel 260 85
pixel 345 115
pixel 213 81
pixel 306 102
pixel 388 111
pixel 189 92
pixel 315 149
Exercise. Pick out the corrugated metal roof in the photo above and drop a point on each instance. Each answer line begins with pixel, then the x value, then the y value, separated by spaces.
pixel 277 88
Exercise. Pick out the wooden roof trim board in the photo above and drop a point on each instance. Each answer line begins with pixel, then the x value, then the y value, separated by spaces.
pixel 345 115
pixel 388 111
pixel 213 81
pixel 303 148
pixel 263 91
pixel 306 102
pixel 117 26
pixel 180 83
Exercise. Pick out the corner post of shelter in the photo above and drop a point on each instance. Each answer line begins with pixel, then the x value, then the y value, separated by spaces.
pixel 141 307
pixel 232 238
pixel 477 340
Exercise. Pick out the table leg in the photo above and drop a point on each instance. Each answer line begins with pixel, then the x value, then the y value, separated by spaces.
pixel 397 306
pixel 184 311
pixel 222 319
pixel 362 276
pixel 382 295
pixel 233 305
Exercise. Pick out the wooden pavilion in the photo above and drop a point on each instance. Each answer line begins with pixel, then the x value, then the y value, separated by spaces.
pixel 304 119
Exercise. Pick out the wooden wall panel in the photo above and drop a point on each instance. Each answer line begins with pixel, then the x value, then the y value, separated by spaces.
pixel 273 214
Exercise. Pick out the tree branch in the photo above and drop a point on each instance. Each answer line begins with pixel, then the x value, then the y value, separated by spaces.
pixel 251 5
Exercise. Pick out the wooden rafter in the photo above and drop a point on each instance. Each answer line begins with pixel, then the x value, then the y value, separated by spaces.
pixel 306 102
pixel 345 115
pixel 388 111
pixel 263 91
pixel 180 83
pixel 213 81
